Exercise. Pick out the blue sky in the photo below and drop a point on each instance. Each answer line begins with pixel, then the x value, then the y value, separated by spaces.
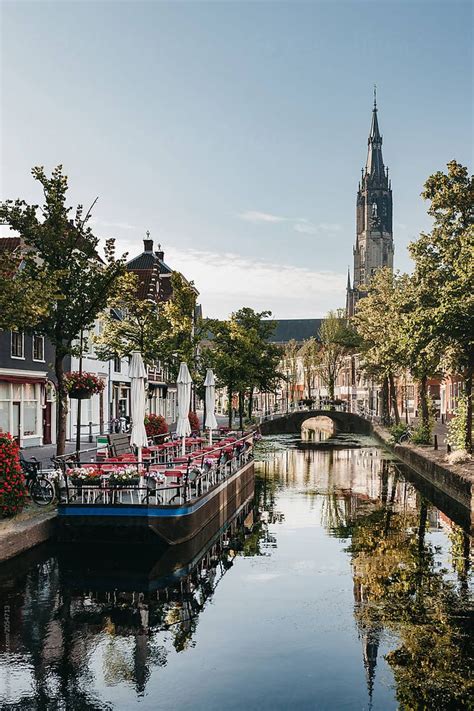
pixel 235 132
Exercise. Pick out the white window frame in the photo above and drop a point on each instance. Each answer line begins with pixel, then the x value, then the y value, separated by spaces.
pixel 37 360
pixel 18 333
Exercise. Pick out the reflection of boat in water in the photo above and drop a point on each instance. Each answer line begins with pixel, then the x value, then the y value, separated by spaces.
pixel 127 567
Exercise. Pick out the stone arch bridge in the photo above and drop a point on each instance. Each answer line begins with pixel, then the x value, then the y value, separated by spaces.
pixel 292 422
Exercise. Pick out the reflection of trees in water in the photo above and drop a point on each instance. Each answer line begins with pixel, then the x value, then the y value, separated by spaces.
pixel 136 630
pixel 398 586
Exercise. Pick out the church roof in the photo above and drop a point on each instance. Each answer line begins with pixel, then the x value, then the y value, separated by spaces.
pixel 298 329
pixel 374 166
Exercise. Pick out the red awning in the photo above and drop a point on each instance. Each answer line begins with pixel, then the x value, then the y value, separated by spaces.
pixel 27 379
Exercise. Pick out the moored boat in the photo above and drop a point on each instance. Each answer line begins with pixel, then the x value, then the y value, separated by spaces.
pixel 164 503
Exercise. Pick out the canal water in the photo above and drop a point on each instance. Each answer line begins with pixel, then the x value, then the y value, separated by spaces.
pixel 340 586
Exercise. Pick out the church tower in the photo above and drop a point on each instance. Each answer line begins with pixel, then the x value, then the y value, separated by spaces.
pixel 374 235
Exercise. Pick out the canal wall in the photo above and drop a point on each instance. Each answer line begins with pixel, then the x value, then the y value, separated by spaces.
pixel 25 531
pixel 455 481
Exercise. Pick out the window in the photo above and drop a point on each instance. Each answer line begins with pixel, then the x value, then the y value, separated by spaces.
pixel 117 364
pixel 17 344
pixel 38 348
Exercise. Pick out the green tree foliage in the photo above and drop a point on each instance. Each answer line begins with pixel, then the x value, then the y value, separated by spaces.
pixel 131 324
pixel 311 354
pixel 241 355
pixel 160 331
pixel 289 366
pixel 28 291
pixel 338 340
pixel 66 252
pixel 444 270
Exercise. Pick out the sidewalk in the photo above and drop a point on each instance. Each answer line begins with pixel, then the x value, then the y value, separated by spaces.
pixel 43 454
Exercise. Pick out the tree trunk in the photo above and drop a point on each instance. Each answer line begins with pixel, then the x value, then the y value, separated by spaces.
pixel 331 384
pixel 468 394
pixel 229 404
pixel 393 397
pixel 241 410
pixel 250 403
pixel 62 405
pixel 385 403
pixel 425 415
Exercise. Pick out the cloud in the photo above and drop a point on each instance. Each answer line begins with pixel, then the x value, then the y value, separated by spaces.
pixel 256 217
pixel 115 225
pixel 228 281
pixel 299 224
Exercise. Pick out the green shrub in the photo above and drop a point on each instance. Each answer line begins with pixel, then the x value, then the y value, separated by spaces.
pixel 397 431
pixel 422 435
pixel 457 426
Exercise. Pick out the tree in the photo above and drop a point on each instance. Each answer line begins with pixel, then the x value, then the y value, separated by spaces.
pixel 444 265
pixel 241 355
pixel 66 253
pixel 337 341
pixel 131 324
pixel 183 333
pixel 290 369
pixel 27 291
pixel 310 352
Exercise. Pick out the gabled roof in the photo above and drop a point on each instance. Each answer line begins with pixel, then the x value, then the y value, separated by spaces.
pixel 9 244
pixel 148 260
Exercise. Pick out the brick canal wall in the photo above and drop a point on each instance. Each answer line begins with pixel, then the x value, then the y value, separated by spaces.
pixel 456 482
pixel 28 529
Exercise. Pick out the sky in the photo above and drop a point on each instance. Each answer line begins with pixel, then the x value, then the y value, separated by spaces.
pixel 235 132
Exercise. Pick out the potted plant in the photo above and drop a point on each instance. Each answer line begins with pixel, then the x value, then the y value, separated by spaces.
pixel 155 425
pixel 90 476
pixel 124 476
pixel 12 482
pixel 81 386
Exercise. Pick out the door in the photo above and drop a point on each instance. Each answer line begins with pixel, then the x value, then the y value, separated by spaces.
pixel 47 424
pixel 16 421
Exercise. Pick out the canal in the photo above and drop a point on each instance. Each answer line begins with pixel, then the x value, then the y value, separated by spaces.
pixel 339 586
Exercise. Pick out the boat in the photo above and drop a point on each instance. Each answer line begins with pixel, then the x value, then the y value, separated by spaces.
pixel 167 504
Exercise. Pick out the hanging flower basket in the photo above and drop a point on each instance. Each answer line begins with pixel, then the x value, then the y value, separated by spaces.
pixel 81 386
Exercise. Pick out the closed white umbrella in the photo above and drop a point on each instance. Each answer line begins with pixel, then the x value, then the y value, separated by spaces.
pixel 210 385
pixel 184 382
pixel 137 374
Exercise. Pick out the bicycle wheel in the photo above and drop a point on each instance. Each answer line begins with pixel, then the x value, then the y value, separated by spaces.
pixel 42 492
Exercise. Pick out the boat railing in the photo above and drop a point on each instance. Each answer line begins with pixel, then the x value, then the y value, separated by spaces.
pixel 197 478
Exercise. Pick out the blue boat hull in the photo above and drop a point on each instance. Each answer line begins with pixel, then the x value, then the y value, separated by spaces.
pixel 150 523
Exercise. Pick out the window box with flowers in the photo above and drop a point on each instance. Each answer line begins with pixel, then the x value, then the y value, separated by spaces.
pixel 87 476
pixel 81 386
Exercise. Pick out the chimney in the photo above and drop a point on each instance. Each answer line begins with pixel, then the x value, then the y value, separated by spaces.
pixel 160 254
pixel 148 243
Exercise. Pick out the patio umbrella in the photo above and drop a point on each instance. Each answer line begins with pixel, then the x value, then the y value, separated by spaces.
pixel 210 385
pixel 137 374
pixel 184 382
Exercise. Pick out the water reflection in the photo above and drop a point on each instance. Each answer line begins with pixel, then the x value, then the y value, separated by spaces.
pixel 339 574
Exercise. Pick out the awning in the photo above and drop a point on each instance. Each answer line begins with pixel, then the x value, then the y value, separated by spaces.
pixel 20 379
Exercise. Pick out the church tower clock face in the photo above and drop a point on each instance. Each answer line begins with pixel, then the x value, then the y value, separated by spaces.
pixel 374 233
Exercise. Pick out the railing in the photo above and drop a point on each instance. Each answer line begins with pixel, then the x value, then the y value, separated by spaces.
pixel 195 481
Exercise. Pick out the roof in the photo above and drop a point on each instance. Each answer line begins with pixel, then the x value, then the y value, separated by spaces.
pixel 147 260
pixel 298 329
pixel 9 244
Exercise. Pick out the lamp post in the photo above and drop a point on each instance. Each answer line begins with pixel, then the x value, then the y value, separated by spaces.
pixel 79 402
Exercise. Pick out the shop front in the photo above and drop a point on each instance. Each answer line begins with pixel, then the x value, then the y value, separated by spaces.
pixel 27 408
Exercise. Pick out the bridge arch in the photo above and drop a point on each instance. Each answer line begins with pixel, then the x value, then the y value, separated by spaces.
pixel 292 422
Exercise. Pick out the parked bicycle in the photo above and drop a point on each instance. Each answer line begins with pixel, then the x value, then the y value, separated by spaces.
pixel 406 436
pixel 42 491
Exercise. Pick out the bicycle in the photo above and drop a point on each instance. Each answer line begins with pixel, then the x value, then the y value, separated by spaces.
pixel 41 490
pixel 406 436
